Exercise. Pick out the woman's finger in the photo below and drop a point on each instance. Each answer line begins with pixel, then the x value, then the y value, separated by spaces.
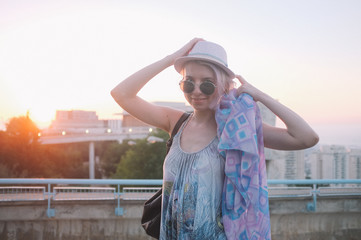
pixel 241 79
pixel 186 48
pixel 192 43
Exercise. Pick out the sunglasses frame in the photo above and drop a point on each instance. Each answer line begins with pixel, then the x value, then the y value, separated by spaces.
pixel 200 86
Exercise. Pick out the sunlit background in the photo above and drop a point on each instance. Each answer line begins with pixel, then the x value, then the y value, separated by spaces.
pixel 68 55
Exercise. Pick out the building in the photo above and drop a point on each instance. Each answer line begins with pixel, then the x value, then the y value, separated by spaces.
pixel 355 163
pixel 80 122
pixel 314 163
pixel 282 164
pixel 335 162
pixel 319 162
pixel 132 125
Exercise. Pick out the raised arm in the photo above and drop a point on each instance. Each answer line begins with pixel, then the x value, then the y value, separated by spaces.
pixel 125 93
pixel 297 134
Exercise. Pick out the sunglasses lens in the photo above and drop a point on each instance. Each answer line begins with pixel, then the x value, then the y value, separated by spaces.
pixel 187 86
pixel 207 88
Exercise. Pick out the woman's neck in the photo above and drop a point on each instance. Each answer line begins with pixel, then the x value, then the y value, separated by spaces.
pixel 201 117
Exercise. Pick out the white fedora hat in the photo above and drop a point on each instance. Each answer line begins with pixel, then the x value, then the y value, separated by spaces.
pixel 206 51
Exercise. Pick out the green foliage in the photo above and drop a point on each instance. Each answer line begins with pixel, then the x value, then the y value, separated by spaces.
pixel 66 160
pixel 111 157
pixel 161 134
pixel 23 129
pixel 143 160
pixel 19 148
pixel 21 155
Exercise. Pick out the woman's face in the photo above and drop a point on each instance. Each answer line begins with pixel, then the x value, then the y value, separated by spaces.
pixel 198 73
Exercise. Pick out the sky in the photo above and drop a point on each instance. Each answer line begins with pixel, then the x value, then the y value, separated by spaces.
pixel 68 55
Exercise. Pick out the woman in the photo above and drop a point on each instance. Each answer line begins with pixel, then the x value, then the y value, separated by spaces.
pixel 194 170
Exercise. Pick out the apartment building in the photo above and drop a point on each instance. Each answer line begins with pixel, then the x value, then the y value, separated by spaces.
pixel 335 162
pixel 80 122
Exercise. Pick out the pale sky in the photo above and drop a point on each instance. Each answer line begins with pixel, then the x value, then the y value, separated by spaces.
pixel 65 55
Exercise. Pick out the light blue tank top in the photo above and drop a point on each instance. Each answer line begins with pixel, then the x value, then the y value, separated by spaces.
pixel 192 192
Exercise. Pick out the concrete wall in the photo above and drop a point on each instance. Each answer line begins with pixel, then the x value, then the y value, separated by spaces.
pixel 335 218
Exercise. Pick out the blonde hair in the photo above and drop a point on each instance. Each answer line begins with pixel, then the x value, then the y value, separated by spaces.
pixel 223 81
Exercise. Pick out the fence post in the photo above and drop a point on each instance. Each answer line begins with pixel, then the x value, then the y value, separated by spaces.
pixel 50 212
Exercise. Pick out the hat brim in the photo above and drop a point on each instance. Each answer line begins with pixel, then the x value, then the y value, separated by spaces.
pixel 179 63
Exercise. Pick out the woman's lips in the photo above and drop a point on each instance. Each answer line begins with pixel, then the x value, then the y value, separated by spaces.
pixel 196 100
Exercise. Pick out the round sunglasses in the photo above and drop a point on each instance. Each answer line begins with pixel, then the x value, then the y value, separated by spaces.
pixel 206 87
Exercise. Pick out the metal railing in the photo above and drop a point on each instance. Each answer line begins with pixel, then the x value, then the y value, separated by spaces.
pixel 51 194
pixel 25 193
pixel 332 188
pixel 128 189
pixel 84 193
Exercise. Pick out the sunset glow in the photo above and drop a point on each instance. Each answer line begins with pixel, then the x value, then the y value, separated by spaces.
pixel 64 55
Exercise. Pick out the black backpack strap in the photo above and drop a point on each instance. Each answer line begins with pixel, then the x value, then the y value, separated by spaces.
pixel 176 128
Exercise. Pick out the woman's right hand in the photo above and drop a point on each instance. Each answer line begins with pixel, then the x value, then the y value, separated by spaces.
pixel 126 92
pixel 185 49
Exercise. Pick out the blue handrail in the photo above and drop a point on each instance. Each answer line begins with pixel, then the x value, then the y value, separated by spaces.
pixel 149 182
pixel 123 182
pixel 158 182
pixel 314 181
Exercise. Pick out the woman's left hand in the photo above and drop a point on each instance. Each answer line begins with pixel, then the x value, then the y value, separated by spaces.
pixel 248 88
pixel 297 135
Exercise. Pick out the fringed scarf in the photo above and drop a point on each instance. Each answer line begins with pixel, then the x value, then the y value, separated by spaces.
pixel 245 211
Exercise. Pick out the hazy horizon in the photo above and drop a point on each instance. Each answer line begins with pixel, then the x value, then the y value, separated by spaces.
pixel 69 54
pixel 341 135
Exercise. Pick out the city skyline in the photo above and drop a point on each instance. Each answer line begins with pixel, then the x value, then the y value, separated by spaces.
pixel 69 55
pixel 347 137
pixel 318 162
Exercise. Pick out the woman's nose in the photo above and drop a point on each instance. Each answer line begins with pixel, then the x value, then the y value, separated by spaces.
pixel 197 89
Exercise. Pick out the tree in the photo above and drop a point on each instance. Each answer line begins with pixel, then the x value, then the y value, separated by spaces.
pixel 111 156
pixel 65 160
pixel 19 150
pixel 21 155
pixel 144 160
pixel 23 129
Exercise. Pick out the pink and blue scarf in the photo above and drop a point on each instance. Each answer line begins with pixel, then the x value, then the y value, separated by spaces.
pixel 245 211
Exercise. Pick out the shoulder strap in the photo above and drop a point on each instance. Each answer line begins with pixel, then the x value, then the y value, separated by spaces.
pixel 176 128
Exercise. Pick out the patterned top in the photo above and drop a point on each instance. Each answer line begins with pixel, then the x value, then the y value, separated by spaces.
pixel 192 192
